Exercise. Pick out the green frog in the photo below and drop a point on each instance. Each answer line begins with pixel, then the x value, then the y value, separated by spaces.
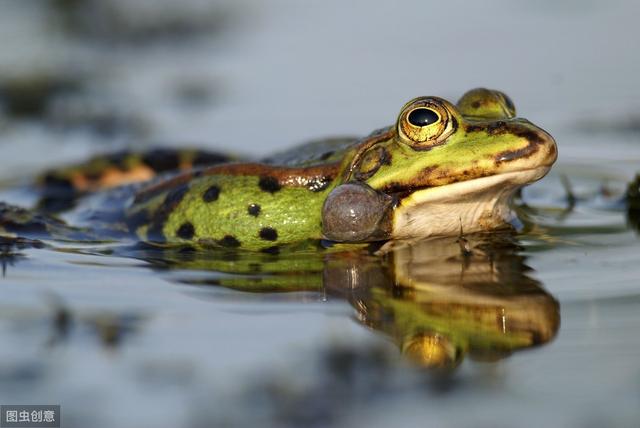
pixel 441 168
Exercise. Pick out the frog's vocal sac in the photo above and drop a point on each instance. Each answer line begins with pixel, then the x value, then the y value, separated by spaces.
pixel 440 168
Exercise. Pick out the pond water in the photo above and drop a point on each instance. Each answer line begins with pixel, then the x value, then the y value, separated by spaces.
pixel 537 329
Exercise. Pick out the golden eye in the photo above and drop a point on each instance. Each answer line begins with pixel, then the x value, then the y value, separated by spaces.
pixel 482 104
pixel 423 117
pixel 426 122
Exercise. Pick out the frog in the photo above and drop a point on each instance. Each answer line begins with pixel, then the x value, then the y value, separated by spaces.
pixel 441 168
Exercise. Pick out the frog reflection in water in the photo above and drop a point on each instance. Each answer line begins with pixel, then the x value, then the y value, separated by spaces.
pixel 439 169
pixel 436 302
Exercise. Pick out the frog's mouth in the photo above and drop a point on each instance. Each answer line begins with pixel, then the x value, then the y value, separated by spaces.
pixel 473 205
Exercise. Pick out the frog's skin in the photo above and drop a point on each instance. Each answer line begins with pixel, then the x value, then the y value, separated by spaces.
pixel 441 168
pixel 61 187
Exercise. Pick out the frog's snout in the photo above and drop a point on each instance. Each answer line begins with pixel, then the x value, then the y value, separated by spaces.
pixel 550 148
pixel 535 147
pixel 545 151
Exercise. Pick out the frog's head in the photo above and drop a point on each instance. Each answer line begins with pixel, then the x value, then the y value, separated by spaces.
pixel 444 167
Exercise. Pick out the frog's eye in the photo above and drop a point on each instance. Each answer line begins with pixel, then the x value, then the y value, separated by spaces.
pixel 426 122
pixel 481 103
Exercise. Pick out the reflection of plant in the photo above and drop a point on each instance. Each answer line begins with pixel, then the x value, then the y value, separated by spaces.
pixel 10 250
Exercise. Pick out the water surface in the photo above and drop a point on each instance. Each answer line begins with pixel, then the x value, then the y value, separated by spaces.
pixel 538 329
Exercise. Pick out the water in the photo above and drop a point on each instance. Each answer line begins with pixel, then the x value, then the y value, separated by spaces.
pixel 132 338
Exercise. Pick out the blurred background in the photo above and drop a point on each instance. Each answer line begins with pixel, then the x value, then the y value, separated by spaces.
pixel 257 76
pixel 80 77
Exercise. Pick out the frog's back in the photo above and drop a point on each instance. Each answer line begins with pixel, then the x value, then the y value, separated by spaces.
pixel 188 196
pixel 316 152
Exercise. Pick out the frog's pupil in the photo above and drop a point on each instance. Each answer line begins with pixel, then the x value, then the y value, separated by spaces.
pixel 422 117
